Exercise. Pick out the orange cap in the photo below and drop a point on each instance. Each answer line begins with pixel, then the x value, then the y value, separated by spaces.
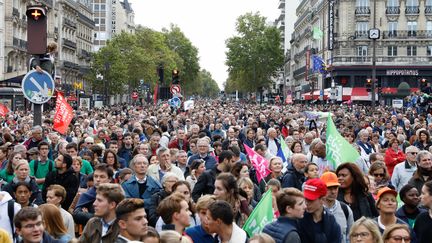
pixel 385 190
pixel 330 179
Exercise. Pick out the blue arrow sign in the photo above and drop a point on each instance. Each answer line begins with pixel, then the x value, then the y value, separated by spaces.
pixel 38 87
pixel 174 102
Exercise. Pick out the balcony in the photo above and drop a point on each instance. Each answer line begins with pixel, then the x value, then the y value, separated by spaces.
pixel 20 44
pixel 352 59
pixel 69 43
pixel 71 65
pixel 47 2
pixel 69 23
pixel 407 34
pixel 428 10
pixel 362 11
pixel 361 34
pixel 393 10
pixel 15 12
pixel 412 10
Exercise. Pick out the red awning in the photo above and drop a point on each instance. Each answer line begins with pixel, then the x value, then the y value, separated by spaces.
pixel 360 93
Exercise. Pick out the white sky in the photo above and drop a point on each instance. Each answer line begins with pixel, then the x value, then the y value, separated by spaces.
pixel 207 24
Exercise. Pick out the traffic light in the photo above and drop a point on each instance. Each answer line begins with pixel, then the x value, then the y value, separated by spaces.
pixel 423 82
pixel 368 85
pixel 175 76
pixel 36 30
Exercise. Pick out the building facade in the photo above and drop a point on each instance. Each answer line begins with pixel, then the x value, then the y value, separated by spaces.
pixel 2 38
pixel 403 51
pixel 111 17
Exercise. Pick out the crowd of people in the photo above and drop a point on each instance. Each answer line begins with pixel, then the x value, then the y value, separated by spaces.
pixel 156 174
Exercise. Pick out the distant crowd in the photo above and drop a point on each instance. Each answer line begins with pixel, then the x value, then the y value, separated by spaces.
pixel 158 174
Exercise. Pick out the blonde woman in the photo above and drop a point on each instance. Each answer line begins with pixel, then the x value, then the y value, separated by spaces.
pixel 365 230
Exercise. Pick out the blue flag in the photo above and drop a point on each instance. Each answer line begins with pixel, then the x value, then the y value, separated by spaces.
pixel 318 64
pixel 281 155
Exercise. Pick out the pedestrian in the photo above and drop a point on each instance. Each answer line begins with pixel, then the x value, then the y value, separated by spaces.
pixel 30 226
pixel 132 220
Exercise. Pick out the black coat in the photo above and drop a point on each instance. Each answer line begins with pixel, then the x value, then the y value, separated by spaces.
pixel 36 195
pixel 205 183
pixel 68 180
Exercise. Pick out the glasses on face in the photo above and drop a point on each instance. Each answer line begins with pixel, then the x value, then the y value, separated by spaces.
pixel 378 175
pixel 399 238
pixel 413 153
pixel 362 235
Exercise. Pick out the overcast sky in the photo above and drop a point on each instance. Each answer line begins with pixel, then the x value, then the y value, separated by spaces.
pixel 207 24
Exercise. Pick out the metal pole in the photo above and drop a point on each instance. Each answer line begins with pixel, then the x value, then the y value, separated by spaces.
pixel 373 59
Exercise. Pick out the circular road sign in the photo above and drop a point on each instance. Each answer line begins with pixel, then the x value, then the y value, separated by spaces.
pixel 38 87
pixel 175 89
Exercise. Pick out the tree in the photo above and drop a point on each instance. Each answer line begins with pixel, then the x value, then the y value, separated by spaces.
pixel 255 55
pixel 208 86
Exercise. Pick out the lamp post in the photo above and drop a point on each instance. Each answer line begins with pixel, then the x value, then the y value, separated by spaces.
pixel 106 84
pixel 373 59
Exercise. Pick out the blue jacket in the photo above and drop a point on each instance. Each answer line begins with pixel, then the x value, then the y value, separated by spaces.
pixel 280 228
pixel 198 234
pixel 400 214
pixel 132 191
pixel 293 178
pixel 210 161
pixel 329 232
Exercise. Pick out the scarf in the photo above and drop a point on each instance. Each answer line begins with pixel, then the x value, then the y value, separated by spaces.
pixel 15 180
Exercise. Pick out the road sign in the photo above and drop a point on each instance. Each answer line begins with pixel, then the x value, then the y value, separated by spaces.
pixel 175 89
pixel 38 87
pixel 175 102
pixel 134 95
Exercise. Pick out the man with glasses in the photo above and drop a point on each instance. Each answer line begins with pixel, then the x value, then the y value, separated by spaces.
pixel 29 225
pixel 424 170
pixel 180 142
pixel 140 185
pixel 403 171
pixel 203 153
pixel 43 165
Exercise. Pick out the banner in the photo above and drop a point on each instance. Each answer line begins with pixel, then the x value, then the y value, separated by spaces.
pixel 189 104
pixel 317 33
pixel 155 94
pixel 338 150
pixel 260 216
pixel 63 115
pixel 259 163
pixel 3 110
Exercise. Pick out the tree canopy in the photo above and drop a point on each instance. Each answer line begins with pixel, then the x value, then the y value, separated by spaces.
pixel 254 55
pixel 128 58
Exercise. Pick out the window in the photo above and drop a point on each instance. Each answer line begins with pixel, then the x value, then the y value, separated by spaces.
pixel 412 50
pixel 428 3
pixel 392 28
pixel 412 3
pixel 393 3
pixel 429 28
pixel 96 7
pixel 102 7
pixel 412 28
pixel 392 51
pixel 362 29
pixel 362 51
pixel 429 50
pixel 96 20
pixel 102 21
pixel 362 3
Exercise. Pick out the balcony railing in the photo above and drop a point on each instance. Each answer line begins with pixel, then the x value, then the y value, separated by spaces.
pixel 405 34
pixel 428 10
pixel 412 10
pixel 18 43
pixel 383 59
pixel 361 34
pixel 69 23
pixel 15 12
pixel 362 11
pixel 393 10
pixel 72 65
pixel 69 43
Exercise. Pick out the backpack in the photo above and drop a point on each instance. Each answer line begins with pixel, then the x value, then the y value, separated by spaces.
pixel 36 164
pixel 11 214
pixel 345 210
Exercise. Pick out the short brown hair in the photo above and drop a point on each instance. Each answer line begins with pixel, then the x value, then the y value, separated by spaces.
pixel 388 230
pixel 169 206
pixel 127 206
pixel 59 191
pixel 112 192
pixel 25 214
pixel 287 198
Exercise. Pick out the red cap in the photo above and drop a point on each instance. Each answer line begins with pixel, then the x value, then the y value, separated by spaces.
pixel 314 189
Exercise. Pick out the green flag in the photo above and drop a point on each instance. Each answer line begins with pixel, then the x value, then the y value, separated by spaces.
pixel 260 216
pixel 317 33
pixel 338 150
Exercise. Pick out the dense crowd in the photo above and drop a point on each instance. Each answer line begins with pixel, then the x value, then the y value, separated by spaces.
pixel 157 174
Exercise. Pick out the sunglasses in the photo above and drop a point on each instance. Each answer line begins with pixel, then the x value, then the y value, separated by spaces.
pixel 379 175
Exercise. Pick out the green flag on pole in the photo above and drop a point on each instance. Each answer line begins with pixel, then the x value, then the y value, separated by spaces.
pixel 317 33
pixel 338 150
pixel 260 216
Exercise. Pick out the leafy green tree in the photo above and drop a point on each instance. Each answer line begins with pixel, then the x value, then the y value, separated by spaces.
pixel 208 86
pixel 255 55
